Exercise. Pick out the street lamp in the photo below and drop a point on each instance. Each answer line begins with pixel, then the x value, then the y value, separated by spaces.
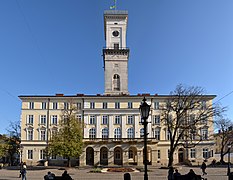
pixel 228 167
pixel 145 110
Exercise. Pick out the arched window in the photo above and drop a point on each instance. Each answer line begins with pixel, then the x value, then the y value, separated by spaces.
pixel 117 133
pixel 116 82
pixel 105 133
pixel 130 133
pixel 92 133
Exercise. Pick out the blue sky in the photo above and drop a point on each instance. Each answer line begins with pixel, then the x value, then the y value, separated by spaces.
pixel 55 46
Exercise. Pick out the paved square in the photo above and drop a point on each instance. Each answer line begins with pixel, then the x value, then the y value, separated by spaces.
pixel 83 173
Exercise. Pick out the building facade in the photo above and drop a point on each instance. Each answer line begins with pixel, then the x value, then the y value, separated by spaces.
pixel 113 132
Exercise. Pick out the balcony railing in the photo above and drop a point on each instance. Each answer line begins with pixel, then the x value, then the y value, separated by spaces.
pixel 108 140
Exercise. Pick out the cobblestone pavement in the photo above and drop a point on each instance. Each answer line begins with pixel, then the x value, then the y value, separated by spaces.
pixel 83 174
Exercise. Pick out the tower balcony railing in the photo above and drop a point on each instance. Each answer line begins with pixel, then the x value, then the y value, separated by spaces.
pixel 123 12
pixel 115 48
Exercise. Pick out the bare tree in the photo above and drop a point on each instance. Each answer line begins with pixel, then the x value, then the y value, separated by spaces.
pixel 224 135
pixel 184 114
pixel 13 141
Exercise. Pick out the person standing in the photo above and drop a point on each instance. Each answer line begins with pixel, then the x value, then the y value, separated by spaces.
pixel 176 174
pixel 203 168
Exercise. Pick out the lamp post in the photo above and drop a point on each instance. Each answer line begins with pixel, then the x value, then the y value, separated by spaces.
pixel 145 110
pixel 228 167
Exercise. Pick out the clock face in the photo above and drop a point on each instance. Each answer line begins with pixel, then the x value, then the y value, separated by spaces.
pixel 115 33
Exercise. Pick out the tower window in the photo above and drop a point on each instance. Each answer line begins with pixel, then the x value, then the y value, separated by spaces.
pixel 116 82
pixel 116 45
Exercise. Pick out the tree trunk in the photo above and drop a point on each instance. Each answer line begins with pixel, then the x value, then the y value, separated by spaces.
pixel 68 162
pixel 171 159
pixel 221 158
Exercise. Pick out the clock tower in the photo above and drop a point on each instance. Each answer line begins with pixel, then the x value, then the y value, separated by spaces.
pixel 115 54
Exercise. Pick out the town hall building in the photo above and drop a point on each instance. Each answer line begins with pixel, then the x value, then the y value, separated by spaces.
pixel 113 132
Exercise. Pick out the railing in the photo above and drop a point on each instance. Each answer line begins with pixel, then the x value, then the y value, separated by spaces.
pixel 118 48
pixel 118 139
pixel 123 12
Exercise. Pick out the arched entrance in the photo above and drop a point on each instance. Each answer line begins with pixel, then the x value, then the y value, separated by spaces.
pixel 103 156
pixel 132 156
pixel 181 155
pixel 90 156
pixel 118 156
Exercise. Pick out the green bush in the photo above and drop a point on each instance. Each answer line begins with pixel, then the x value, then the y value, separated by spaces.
pixel 96 170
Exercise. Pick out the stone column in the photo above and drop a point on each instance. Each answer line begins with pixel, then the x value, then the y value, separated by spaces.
pixel 98 125
pixel 82 159
pixel 123 126
pixel 140 157
pixel 96 158
pixel 110 157
pixel 125 158
pixel 111 127
pixel 154 157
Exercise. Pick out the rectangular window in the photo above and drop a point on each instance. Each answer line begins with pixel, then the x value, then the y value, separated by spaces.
pixel 205 153
pixel 54 132
pixel 117 119
pixel 54 119
pixel 79 106
pixel 156 133
pixel 204 119
pixel 156 119
pixel 42 154
pixel 54 105
pixel 30 154
pixel 92 119
pixel 30 135
pixel 105 105
pixel 192 119
pixel 117 105
pixel 203 104
pixel 130 105
pixel 193 153
pixel 159 154
pixel 30 119
pixel 43 119
pixel 42 135
pixel 92 105
pixel 31 105
pixel 66 105
pixel 130 119
pixel 168 135
pixel 204 134
pixel 79 118
pixel 43 105
pixel 156 105
pixel 104 119
pixel 168 153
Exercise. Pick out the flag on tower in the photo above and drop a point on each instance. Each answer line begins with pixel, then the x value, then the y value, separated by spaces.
pixel 114 6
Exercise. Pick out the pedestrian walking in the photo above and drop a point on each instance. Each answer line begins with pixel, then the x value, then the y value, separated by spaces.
pixel 203 168
pixel 24 171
